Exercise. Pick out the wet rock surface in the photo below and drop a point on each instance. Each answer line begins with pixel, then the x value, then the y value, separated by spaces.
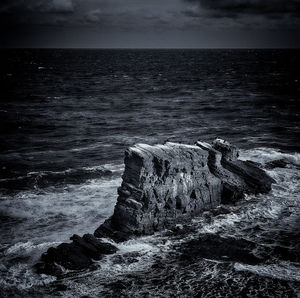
pixel 163 186
pixel 278 163
pixel 167 184
pixel 238 177
pixel 76 255
pixel 215 247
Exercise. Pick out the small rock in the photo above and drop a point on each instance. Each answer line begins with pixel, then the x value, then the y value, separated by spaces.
pixel 101 246
pixel 90 249
pixel 278 163
pixel 68 255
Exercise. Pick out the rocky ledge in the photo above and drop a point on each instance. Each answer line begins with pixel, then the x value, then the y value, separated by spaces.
pixel 163 185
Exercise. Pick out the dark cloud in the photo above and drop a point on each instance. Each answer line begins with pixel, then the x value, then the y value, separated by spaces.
pixel 233 8
pixel 174 22
pixel 62 6
pixel 16 13
pixel 36 6
pixel 251 6
pixel 87 12
pixel 267 14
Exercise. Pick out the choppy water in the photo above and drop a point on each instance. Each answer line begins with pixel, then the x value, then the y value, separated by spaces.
pixel 67 116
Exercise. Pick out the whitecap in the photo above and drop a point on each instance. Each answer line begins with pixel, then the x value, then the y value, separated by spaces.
pixel 283 270
pixel 54 213
pixel 264 155
pixel 23 277
pixel 26 248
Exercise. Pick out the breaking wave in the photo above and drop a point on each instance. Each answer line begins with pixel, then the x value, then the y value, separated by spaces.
pixel 43 179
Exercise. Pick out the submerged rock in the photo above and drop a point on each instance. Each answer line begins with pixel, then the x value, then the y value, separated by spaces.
pixel 163 185
pixel 278 163
pixel 214 247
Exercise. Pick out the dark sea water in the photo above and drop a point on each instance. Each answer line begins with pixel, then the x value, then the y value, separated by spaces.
pixel 66 117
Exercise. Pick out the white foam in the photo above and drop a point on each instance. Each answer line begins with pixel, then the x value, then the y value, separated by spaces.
pixel 283 270
pixel 264 155
pixel 90 147
pixel 53 214
pixel 26 248
pixel 23 277
pixel 141 245
pixel 108 166
pixel 257 210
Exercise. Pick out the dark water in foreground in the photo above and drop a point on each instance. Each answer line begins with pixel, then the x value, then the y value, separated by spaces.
pixel 66 117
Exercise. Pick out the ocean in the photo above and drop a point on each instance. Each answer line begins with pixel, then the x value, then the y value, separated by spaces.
pixel 66 118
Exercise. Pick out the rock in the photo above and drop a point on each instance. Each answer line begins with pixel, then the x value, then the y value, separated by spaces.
pixel 90 250
pixel 69 255
pixel 238 177
pixel 103 247
pixel 59 287
pixel 227 150
pixel 107 230
pixel 164 186
pixel 75 256
pixel 278 163
pixel 167 184
pixel 215 247
pixel 49 268
pixel 256 179
pixel 232 185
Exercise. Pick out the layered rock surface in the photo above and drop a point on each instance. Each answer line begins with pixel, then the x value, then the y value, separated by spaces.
pixel 238 177
pixel 164 185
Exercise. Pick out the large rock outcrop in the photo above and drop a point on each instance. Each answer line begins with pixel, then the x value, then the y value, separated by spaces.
pixel 164 185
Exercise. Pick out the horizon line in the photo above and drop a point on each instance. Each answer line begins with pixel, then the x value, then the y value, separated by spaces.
pixel 152 48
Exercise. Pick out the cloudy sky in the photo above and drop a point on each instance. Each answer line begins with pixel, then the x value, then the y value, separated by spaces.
pixel 150 23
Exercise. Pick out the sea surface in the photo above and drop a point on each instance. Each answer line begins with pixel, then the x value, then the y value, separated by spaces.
pixel 66 117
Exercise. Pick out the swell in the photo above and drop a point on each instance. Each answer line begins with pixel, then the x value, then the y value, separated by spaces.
pixel 43 179
pixel 264 155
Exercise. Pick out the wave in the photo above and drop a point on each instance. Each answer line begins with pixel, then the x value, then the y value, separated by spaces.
pixel 43 179
pixel 90 147
pixel 16 272
pixel 56 212
pixel 35 220
pixel 284 270
pixel 264 155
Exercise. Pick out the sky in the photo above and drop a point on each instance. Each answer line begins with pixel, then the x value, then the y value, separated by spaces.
pixel 150 23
